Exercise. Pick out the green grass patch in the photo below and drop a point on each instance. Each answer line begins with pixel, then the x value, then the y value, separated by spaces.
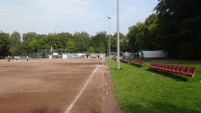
pixel 140 90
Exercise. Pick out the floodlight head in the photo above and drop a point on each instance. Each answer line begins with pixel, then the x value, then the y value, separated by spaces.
pixel 109 17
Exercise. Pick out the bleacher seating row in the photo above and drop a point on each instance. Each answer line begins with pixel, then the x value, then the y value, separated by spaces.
pixel 184 70
pixel 126 60
pixel 137 62
pixel 133 62
pixel 114 58
pixel 178 69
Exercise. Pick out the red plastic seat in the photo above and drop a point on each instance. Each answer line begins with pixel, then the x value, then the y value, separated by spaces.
pixel 158 66
pixel 171 68
pixel 185 70
pixel 138 63
pixel 152 65
pixel 133 62
pixel 179 69
pixel 126 60
pixel 164 67
pixel 155 65
pixel 167 67
pixel 174 70
pixel 190 71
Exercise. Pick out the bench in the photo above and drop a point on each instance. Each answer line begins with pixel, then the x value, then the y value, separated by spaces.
pixel 114 58
pixel 137 62
pixel 126 60
pixel 183 70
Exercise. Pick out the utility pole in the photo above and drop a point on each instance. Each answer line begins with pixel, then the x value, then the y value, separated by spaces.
pixel 118 45
pixel 109 41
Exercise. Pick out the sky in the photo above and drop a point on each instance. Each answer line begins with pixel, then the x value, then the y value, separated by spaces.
pixel 55 16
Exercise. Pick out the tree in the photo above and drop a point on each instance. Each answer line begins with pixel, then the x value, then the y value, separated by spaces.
pixel 134 40
pixel 143 35
pixel 25 47
pixel 90 50
pixel 179 26
pixel 100 42
pixel 30 36
pixel 150 26
pixel 4 44
pixel 43 42
pixel 71 45
pixel 82 41
pixel 15 43
pixel 122 39
pixel 113 43
pixel 59 40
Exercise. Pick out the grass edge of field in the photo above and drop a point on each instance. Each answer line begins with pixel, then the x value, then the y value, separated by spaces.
pixel 138 89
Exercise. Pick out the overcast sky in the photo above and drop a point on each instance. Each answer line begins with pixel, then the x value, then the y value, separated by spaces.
pixel 91 16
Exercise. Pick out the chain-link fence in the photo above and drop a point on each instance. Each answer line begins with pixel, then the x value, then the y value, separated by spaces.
pixel 60 53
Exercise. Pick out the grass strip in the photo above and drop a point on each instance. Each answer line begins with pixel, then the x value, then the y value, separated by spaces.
pixel 140 90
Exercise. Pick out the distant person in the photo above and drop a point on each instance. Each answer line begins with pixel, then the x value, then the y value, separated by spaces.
pixel 27 58
pixel 8 58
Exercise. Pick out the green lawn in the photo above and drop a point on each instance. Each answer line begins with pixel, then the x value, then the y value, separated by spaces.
pixel 139 90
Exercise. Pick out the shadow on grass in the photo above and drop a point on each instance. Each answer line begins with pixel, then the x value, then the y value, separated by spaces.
pixel 116 69
pixel 169 75
pixel 156 107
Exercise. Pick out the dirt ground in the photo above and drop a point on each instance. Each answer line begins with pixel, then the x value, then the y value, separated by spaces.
pixel 56 86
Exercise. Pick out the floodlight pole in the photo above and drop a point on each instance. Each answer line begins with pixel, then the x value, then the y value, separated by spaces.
pixel 109 42
pixel 118 45
pixel 51 50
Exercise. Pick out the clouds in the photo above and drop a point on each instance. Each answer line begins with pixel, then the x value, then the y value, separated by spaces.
pixel 46 16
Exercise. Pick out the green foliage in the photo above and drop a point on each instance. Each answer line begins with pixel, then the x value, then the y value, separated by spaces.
pixel 30 36
pixel 25 47
pixel 82 40
pixel 123 42
pixel 100 42
pixel 78 42
pixel 4 44
pixel 91 50
pixel 143 35
pixel 71 45
pixel 139 90
pixel 135 37
pixel 179 24
pixel 15 43
pixel 174 28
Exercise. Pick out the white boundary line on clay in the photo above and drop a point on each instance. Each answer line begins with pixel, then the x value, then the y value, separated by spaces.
pixel 81 91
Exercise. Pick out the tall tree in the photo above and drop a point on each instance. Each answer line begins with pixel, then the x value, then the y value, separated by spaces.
pixel 123 40
pixel 30 36
pixel 71 45
pixel 82 41
pixel 178 29
pixel 59 40
pixel 15 43
pixel 4 44
pixel 150 26
pixel 41 43
pixel 100 42
pixel 134 41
